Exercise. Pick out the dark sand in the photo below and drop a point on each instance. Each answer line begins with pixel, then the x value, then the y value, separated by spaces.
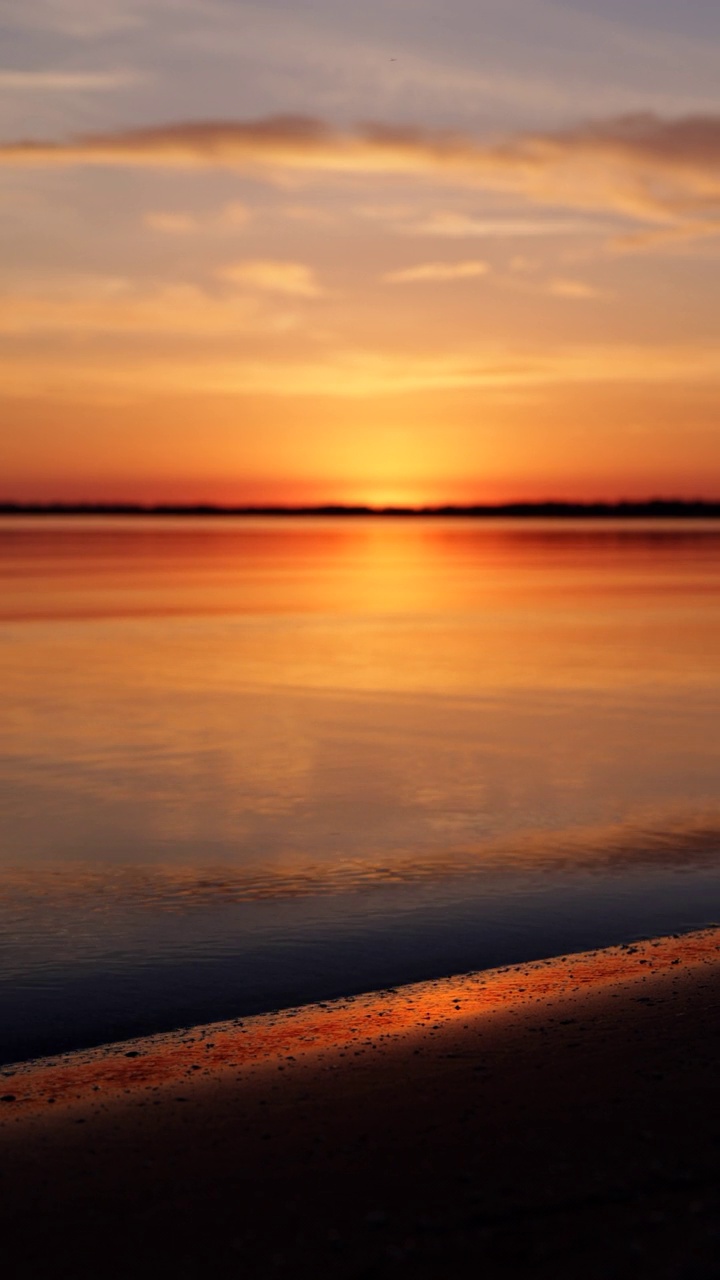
pixel 558 1119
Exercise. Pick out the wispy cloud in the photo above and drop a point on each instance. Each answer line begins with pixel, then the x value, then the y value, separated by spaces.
pixel 292 278
pixel 65 81
pixel 308 214
pixel 81 19
pixel 234 214
pixel 642 166
pixel 172 224
pixel 230 217
pixel 674 235
pixel 437 271
pixel 460 226
pixel 99 305
pixel 574 290
pixel 353 374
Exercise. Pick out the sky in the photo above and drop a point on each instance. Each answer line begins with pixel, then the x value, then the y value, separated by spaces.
pixel 409 251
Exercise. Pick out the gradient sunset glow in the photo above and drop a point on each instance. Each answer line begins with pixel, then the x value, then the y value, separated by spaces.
pixel 220 283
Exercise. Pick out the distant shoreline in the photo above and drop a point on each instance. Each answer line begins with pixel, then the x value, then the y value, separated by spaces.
pixel 656 508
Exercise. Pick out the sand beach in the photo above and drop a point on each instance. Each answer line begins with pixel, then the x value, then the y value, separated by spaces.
pixel 557 1118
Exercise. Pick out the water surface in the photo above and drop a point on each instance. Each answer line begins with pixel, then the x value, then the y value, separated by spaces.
pixel 250 762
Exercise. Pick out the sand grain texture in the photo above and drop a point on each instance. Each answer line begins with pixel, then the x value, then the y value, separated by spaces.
pixel 557 1119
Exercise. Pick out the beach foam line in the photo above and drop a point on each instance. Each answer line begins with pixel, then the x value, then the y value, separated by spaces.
pixel 383 1018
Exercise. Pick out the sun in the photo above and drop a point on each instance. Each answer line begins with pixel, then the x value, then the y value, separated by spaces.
pixel 381 497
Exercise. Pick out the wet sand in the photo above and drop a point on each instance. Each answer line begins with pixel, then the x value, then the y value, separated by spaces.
pixel 555 1119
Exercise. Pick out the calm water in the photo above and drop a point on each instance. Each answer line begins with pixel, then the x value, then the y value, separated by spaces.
pixel 248 763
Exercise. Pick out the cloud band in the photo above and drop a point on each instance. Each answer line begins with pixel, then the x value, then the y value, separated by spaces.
pixel 644 166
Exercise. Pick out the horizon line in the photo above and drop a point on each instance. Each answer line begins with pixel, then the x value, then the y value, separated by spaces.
pixel 660 507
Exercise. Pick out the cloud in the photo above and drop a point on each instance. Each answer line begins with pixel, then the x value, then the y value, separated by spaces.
pixel 234 214
pixel 437 271
pixel 81 19
pixel 665 237
pixel 642 165
pixel 308 214
pixel 575 290
pixel 172 224
pixel 100 305
pixel 66 81
pixel 358 374
pixel 292 278
pixel 665 171
pixel 230 217
pixel 458 226
pixel 522 263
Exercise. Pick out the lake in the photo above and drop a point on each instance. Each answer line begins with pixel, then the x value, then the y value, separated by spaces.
pixel 249 762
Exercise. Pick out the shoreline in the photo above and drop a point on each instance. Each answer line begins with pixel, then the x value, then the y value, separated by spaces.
pixel 309 1030
pixel 554 1118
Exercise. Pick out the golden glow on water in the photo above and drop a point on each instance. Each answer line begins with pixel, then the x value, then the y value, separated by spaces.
pixel 318 741
pixel 381 604
pixel 212 685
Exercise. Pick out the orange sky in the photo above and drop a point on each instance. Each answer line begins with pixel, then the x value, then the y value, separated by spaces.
pixel 503 289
